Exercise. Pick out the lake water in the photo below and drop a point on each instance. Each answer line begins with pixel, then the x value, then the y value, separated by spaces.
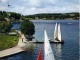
pixel 67 51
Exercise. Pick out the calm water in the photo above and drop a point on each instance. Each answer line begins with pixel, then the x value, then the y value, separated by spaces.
pixel 67 51
pixel 79 39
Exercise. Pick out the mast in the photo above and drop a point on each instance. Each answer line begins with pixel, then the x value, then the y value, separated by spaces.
pixel 48 54
pixel 55 31
pixel 59 32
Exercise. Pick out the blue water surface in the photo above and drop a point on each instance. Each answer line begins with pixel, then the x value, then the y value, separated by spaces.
pixel 67 51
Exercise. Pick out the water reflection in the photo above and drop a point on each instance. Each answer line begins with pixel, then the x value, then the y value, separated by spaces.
pixel 58 51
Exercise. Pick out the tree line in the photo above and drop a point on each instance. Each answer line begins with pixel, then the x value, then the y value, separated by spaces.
pixel 13 16
pixel 10 15
pixel 54 16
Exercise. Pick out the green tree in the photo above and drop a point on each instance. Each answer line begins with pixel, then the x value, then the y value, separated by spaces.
pixel 15 15
pixel 27 27
pixel 2 18
pixel 5 27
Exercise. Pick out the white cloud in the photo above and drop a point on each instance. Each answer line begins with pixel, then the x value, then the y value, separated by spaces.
pixel 40 3
pixel 77 1
pixel 3 1
pixel 2 8
pixel 39 6
pixel 34 2
pixel 33 8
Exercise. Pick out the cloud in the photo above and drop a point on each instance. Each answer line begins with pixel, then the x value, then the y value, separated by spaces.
pixel 77 1
pixel 2 7
pixel 34 3
pixel 40 3
pixel 3 1
pixel 26 7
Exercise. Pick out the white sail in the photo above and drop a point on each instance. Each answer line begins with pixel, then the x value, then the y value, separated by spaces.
pixel 55 31
pixel 48 54
pixel 59 32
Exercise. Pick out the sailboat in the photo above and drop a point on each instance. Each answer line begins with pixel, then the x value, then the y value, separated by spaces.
pixel 57 34
pixel 48 54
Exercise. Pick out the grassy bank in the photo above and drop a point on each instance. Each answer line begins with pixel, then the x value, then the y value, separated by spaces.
pixel 7 41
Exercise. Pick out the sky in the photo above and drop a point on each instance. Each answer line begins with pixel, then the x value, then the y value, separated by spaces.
pixel 29 7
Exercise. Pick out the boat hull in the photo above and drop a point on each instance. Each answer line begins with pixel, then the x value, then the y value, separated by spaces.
pixel 57 41
pixel 51 41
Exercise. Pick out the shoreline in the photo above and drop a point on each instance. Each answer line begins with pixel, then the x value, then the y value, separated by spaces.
pixel 16 49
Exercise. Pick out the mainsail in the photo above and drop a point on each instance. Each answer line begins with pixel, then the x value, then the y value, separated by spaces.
pixel 48 54
pixel 59 32
pixel 55 31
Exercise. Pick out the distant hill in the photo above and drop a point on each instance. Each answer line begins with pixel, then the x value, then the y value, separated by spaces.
pixel 54 16
pixel 13 16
